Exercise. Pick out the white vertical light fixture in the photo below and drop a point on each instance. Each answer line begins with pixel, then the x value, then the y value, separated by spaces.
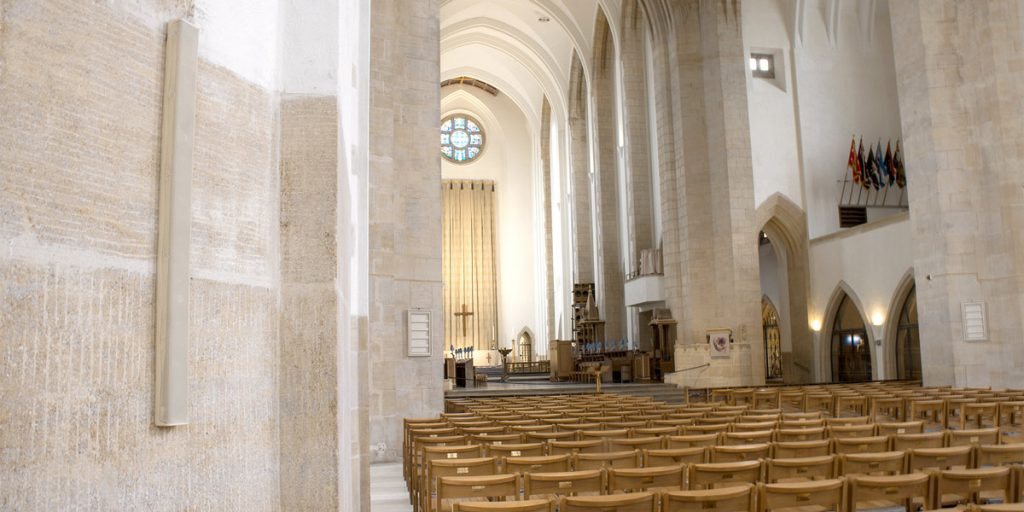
pixel 174 224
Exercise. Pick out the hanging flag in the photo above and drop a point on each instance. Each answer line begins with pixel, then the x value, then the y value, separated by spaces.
pixel 853 163
pixel 862 162
pixel 880 165
pixel 897 161
pixel 873 167
pixel 890 169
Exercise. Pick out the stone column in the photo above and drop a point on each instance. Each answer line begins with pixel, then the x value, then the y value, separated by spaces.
pixel 714 186
pixel 404 216
pixel 582 213
pixel 960 80
pixel 610 292
pixel 635 109
pixel 549 273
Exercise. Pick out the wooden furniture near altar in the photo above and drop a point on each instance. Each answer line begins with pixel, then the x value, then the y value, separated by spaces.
pixel 663 345
pixel 461 370
pixel 562 360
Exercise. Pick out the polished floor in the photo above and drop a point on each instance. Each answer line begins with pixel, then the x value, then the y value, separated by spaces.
pixel 387 488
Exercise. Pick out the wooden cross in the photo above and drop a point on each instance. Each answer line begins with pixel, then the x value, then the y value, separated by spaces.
pixel 465 314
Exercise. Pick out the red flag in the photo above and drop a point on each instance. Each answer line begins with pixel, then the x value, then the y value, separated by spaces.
pixel 853 163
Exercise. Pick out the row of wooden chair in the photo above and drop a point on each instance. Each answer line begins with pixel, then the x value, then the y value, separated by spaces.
pixel 695 473
pixel 662 492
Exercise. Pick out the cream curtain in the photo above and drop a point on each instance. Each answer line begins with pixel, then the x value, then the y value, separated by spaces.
pixel 470 265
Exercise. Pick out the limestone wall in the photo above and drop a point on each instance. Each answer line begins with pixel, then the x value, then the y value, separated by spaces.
pixel 80 92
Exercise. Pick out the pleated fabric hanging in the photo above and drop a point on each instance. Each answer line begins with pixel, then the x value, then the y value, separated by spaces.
pixel 469 259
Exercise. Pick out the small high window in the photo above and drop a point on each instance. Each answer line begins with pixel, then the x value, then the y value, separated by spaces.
pixel 762 65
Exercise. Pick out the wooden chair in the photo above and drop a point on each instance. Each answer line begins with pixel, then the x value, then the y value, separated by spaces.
pixel 570 483
pixel 818 402
pixel 742 397
pixel 800 434
pixel 800 469
pixel 754 426
pixel 974 415
pixel 968 484
pixel 724 474
pixel 751 437
pixel 883 463
pixel 706 429
pixel 571 447
pixel 645 479
pixel 675 456
pixel 624 459
pixel 881 491
pixel 437 468
pixel 503 451
pixel 827 494
pixel 802 416
pixel 481 430
pixel 872 444
pixel 739 498
pixel 766 399
pixel 920 459
pixel 603 434
pixel 999 455
pixel 658 431
pixel 850 431
pixel 1000 507
pixel 898 428
pixel 887 409
pixel 853 404
pixel 540 437
pixel 903 442
pixel 973 437
pixel 848 421
pixel 634 502
pixel 801 422
pixel 508 506
pixel 796 449
pixel 635 443
pixel 475 487
pixel 691 440
pixel 543 463
pixel 932 412
pixel 740 452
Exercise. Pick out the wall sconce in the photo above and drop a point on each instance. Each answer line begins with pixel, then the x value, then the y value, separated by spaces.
pixel 816 325
pixel 877 319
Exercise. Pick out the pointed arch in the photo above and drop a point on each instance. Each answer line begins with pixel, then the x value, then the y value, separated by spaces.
pixel 785 223
pixel 841 291
pixel 528 333
pixel 892 324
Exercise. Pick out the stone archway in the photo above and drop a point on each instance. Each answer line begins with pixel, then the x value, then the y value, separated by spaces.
pixel 842 291
pixel 785 223
pixel 892 325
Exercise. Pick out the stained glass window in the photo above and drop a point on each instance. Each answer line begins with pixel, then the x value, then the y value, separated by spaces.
pixel 462 138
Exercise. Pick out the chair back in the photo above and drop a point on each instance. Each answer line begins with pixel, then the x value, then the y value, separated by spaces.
pixel 634 502
pixel 827 494
pixel 739 498
pixel 545 463
pixel 622 459
pixel 643 479
pixel 902 490
pixel 564 483
pixel 800 469
pixel 675 456
pixel 724 474
pixel 882 463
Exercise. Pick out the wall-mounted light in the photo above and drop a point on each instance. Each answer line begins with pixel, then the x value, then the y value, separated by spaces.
pixel 877 318
pixel 816 325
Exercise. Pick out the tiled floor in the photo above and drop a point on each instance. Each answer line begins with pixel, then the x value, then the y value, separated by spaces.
pixel 387 488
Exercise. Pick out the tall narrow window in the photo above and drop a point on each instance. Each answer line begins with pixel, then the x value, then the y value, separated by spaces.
pixel 851 355
pixel 772 340
pixel 908 339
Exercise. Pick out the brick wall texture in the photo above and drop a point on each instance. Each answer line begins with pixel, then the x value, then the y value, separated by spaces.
pixel 80 91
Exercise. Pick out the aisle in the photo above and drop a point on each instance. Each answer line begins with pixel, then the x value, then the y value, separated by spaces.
pixel 387 488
